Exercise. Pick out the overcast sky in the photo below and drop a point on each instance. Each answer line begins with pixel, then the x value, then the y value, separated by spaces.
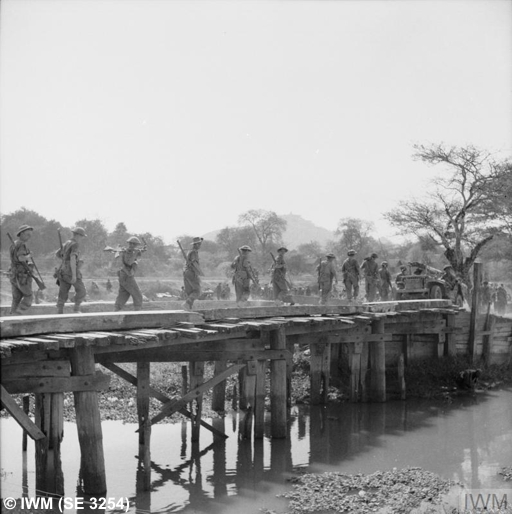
pixel 177 116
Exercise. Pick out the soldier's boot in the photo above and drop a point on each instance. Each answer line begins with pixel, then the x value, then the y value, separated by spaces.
pixel 60 309
pixel 76 309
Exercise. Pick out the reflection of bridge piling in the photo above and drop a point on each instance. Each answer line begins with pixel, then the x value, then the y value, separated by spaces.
pixel 50 355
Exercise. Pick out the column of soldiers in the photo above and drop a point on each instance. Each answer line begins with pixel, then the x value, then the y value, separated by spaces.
pixel 69 275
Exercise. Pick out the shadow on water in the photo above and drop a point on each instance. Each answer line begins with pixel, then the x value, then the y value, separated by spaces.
pixel 468 439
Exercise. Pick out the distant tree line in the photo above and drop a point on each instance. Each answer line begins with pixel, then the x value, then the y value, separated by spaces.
pixel 465 215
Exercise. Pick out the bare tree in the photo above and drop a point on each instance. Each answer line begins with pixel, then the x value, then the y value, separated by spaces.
pixel 461 212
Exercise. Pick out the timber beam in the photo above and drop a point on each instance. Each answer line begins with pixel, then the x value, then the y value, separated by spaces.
pixel 170 408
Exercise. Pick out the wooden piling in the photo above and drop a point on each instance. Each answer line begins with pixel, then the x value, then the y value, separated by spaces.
pixel 401 376
pixel 242 405
pixel 259 399
pixel 278 407
pixel 49 408
pixel 249 388
pixel 196 379
pixel 184 380
pixel 320 371
pixel 378 364
pixel 26 410
pixel 143 390
pixel 450 344
pixel 290 346
pixel 88 422
pixel 477 278
pixel 488 337
pixel 219 391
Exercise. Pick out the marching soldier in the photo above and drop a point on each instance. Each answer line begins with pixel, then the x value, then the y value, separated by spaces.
pixel 69 273
pixel 127 284
pixel 243 274
pixel 20 273
pixel 385 282
pixel 279 282
pixel 326 276
pixel 502 299
pixel 192 273
pixel 350 270
pixel 371 275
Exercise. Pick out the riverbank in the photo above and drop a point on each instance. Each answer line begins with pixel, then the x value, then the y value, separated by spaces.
pixel 432 379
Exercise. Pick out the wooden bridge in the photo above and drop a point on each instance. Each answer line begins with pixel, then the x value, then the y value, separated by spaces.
pixel 49 355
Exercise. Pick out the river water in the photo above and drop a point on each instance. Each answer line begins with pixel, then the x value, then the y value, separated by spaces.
pixel 468 439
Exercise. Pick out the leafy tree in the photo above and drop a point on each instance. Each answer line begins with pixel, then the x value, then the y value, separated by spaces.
pixel 268 228
pixel 355 234
pixel 312 250
pixel 230 239
pixel 94 244
pixel 119 236
pixel 461 213
pixel 44 239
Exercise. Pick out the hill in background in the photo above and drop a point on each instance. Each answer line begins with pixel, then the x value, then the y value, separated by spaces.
pixel 298 231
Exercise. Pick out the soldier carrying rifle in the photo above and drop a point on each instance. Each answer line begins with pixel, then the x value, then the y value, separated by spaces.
pixel 192 272
pixel 69 273
pixel 127 284
pixel 243 274
pixel 21 271
pixel 280 284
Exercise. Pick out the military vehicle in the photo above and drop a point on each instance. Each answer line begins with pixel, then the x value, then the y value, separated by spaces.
pixel 423 281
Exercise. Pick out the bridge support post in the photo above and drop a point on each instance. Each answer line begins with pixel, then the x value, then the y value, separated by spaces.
pixel 88 423
pixel 278 389
pixel 320 368
pixel 259 399
pixel 378 364
pixel 249 395
pixel 143 387
pixel 219 390
pixel 196 379
pixel 450 344
pixel 49 417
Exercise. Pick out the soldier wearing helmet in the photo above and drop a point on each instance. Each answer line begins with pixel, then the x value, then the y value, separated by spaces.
pixel 20 278
pixel 127 284
pixel 449 276
pixel 326 276
pixel 350 270
pixel 371 275
pixel 243 274
pixel 192 273
pixel 69 273
pixel 280 284
pixel 385 282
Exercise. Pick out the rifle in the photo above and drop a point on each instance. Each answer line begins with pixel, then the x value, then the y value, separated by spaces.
pixel 39 281
pixel 288 282
pixel 115 251
pixel 182 251
pixel 60 243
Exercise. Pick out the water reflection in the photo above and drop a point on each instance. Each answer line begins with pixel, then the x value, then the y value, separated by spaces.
pixel 467 440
